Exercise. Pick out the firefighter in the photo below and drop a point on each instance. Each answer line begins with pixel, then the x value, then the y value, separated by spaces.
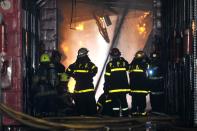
pixel 156 83
pixel 116 84
pixel 83 71
pixel 43 92
pixel 64 99
pixel 104 105
pixel 138 82
pixel 60 69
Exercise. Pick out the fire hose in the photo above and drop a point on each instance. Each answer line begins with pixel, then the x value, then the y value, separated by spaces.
pixel 43 124
pixel 72 122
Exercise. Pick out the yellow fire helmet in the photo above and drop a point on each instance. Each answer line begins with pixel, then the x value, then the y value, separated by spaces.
pixel 45 58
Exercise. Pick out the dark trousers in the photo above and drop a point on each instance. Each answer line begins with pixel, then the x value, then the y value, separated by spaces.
pixel 119 104
pixel 107 109
pixel 65 104
pixel 156 97
pixel 44 99
pixel 85 103
pixel 138 102
pixel 46 104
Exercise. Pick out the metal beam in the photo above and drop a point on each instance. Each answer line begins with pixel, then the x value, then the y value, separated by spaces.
pixel 114 41
pixel 41 3
pixel 132 4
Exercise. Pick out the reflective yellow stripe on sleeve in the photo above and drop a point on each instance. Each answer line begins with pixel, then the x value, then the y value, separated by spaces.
pixel 107 101
pixel 98 103
pixel 84 91
pixel 118 69
pixel 107 74
pixel 119 90
pixel 139 91
pixel 93 67
pixel 81 71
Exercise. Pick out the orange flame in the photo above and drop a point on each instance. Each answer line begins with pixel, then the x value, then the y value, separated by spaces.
pixel 141 29
pixel 80 27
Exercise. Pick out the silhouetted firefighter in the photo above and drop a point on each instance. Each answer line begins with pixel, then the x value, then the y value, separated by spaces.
pixel 83 71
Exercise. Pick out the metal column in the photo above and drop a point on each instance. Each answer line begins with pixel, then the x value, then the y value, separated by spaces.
pixel 195 61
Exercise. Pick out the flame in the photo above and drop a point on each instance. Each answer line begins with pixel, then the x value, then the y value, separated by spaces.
pixel 141 29
pixel 146 14
pixel 102 18
pixel 102 21
pixel 89 37
pixel 80 27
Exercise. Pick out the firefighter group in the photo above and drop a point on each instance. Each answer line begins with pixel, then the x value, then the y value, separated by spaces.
pixel 139 79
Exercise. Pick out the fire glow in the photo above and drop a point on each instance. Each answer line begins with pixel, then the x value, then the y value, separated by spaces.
pixel 86 34
pixel 80 27
pixel 142 26
pixel 142 29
